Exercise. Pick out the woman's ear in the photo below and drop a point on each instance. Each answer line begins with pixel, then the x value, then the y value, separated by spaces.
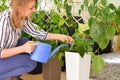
pixel 20 10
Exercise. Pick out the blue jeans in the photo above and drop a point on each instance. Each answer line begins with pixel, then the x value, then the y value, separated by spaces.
pixel 16 65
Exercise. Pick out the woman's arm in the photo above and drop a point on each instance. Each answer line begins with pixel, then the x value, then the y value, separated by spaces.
pixel 28 47
pixel 41 34
pixel 61 37
pixel 11 51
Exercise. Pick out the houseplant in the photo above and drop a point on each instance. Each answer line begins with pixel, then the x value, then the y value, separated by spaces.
pixel 101 28
pixel 116 23
pixel 100 31
pixel 103 20
pixel 78 65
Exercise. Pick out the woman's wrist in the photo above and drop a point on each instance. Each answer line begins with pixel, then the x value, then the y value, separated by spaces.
pixel 22 49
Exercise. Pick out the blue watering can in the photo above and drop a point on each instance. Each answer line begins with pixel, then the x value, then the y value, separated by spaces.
pixel 42 52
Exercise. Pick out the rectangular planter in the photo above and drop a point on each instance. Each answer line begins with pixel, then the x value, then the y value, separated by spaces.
pixel 77 68
pixel 52 69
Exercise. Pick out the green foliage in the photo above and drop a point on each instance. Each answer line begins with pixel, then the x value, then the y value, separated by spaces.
pixel 52 22
pixel 101 28
pixel 98 63
pixel 103 23
pixel 3 5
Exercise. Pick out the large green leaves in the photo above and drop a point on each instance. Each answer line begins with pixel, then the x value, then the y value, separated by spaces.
pixel 100 33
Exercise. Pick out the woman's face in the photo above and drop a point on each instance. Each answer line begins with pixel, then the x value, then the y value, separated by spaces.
pixel 29 9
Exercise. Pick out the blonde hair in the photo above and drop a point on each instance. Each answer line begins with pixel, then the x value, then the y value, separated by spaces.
pixel 18 20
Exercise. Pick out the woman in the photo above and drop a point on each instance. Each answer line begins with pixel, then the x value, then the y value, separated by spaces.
pixel 14 58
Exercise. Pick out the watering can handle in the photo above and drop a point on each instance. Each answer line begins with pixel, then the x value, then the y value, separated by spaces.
pixel 56 49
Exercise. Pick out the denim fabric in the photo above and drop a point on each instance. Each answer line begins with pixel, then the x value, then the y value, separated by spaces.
pixel 16 65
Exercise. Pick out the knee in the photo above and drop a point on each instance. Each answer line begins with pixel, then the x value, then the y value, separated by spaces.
pixel 32 65
pixel 26 61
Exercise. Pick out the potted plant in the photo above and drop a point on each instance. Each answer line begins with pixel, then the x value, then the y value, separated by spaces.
pixel 102 28
pixel 78 58
pixel 100 24
pixel 116 24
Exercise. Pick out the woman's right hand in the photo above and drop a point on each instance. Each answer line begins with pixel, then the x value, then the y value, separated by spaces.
pixel 29 46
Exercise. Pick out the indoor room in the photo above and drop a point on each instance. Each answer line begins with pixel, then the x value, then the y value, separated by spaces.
pixel 59 40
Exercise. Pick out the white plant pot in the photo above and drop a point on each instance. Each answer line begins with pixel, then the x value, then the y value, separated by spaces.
pixel 77 68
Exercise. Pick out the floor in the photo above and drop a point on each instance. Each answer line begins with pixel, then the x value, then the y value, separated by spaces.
pixel 39 76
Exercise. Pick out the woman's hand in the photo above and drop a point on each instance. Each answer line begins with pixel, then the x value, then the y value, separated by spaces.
pixel 65 38
pixel 29 46
pixel 61 37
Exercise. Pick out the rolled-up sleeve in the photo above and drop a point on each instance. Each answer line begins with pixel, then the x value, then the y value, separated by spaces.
pixel 33 31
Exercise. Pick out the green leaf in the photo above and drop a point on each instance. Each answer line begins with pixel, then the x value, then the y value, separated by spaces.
pixel 82 6
pixel 91 10
pixel 54 16
pixel 110 32
pixel 97 63
pixel 81 50
pixel 79 11
pixel 90 21
pixel 97 29
pixel 60 55
pixel 111 5
pixel 59 6
pixel 87 32
pixel 56 2
pixel 61 22
pixel 68 10
pixel 104 2
pixel 42 14
pixel 95 1
pixel 97 33
pixel 104 42
pixel 86 3
pixel 109 19
pixel 118 20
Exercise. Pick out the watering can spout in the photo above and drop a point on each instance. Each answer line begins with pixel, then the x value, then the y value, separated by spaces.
pixel 56 49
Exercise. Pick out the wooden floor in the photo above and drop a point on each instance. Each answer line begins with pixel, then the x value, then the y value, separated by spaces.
pixel 40 77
